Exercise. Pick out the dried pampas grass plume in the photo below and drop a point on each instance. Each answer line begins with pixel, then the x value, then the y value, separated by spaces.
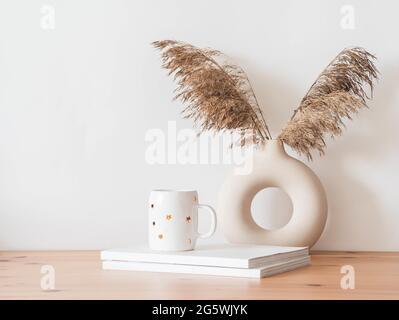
pixel 218 95
pixel 337 93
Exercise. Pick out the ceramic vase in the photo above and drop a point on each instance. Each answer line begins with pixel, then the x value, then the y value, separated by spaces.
pixel 271 166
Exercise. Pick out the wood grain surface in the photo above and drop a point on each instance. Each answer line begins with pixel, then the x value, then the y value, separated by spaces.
pixel 78 275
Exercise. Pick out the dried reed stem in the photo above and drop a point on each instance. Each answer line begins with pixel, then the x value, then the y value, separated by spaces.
pixel 218 96
pixel 337 94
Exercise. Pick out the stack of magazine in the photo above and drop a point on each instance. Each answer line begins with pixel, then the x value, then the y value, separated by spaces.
pixel 251 261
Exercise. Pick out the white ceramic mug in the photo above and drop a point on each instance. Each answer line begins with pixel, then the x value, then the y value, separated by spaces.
pixel 173 220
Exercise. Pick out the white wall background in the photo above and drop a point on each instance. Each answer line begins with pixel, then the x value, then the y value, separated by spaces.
pixel 77 100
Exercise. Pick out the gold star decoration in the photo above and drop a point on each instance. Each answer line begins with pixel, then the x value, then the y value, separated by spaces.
pixel 168 217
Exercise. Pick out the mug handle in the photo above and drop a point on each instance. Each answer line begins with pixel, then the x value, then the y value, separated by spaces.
pixel 213 222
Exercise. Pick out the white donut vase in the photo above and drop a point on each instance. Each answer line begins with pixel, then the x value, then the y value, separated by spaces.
pixel 271 166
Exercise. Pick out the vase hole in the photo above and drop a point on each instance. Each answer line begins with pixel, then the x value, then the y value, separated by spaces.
pixel 271 208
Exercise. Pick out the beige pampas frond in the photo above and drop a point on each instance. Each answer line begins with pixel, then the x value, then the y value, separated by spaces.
pixel 336 94
pixel 218 95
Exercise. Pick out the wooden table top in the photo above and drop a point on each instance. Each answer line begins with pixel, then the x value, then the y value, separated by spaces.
pixel 78 275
